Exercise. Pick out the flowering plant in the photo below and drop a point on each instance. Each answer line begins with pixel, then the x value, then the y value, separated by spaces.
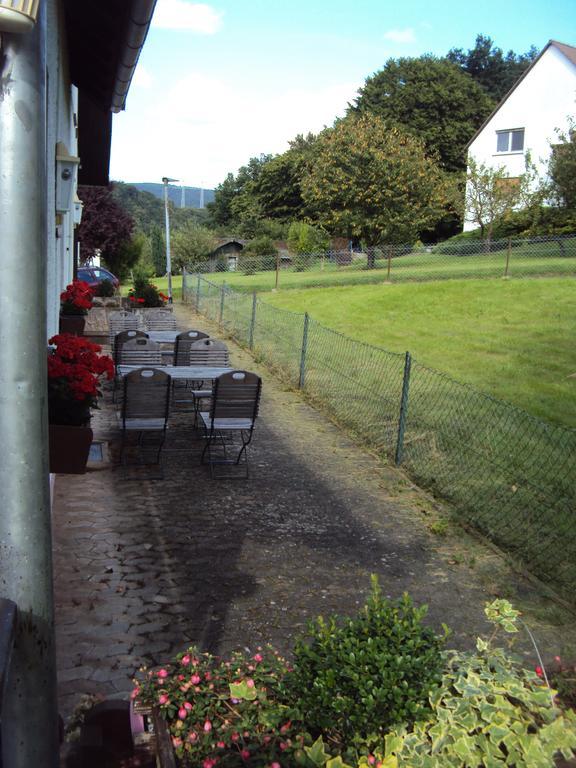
pixel 74 370
pixel 145 294
pixel 76 299
pixel 224 713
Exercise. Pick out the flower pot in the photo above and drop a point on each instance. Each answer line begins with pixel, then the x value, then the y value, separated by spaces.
pixel 69 448
pixel 72 324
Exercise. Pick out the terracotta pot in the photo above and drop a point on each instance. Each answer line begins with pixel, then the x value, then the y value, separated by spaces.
pixel 69 448
pixel 73 324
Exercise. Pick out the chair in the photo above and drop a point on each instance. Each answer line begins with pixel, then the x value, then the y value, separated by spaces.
pixel 205 352
pixel 183 343
pixel 140 351
pixel 233 411
pixel 159 320
pixel 121 321
pixel 145 406
pixel 119 340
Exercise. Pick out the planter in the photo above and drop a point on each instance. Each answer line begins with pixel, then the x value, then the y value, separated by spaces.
pixel 69 448
pixel 73 324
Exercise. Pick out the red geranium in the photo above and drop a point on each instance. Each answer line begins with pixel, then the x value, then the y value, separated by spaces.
pixel 76 299
pixel 74 370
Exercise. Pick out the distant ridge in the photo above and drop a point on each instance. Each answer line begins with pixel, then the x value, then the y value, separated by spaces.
pixel 191 194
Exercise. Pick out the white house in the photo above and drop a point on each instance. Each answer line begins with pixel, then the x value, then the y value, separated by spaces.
pixel 529 117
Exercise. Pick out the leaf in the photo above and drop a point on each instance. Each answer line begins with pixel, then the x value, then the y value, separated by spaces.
pixel 316 752
pixel 242 691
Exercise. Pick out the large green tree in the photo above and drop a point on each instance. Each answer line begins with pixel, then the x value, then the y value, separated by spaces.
pixel 373 181
pixel 495 71
pixel 227 209
pixel 431 98
pixel 191 244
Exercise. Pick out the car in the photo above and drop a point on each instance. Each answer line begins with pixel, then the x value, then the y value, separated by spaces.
pixel 96 275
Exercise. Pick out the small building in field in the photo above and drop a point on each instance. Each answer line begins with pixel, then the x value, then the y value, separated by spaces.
pixel 227 253
pixel 530 117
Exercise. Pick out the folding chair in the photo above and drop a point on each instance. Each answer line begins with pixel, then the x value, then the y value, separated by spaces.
pixel 119 340
pixel 183 343
pixel 140 351
pixel 121 321
pixel 145 406
pixel 233 411
pixel 159 320
pixel 205 352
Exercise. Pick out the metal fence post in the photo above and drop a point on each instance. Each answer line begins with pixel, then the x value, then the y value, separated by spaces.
pixel 508 251
pixel 222 298
pixel 303 353
pixel 252 322
pixel 198 295
pixel 403 410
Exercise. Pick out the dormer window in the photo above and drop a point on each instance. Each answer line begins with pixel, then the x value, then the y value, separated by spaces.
pixel 510 141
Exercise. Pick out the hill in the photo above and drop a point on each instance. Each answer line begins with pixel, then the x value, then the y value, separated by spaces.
pixel 191 194
pixel 147 209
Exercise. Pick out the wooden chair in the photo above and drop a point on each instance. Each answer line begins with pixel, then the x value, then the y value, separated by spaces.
pixel 145 406
pixel 183 343
pixel 140 351
pixel 233 411
pixel 159 320
pixel 119 340
pixel 121 321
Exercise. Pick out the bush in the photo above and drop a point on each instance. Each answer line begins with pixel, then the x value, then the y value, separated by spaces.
pixel 145 294
pixel 368 673
pixel 105 289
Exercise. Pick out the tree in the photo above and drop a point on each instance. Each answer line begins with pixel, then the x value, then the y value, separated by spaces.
pixel 105 226
pixel 126 255
pixel 431 98
pixel 562 168
pixel 304 238
pixel 373 181
pixel 226 210
pixel 492 195
pixel 158 251
pixel 192 244
pixel 495 72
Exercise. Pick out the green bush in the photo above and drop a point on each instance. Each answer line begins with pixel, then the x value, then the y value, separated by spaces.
pixel 365 674
pixel 105 289
pixel 145 294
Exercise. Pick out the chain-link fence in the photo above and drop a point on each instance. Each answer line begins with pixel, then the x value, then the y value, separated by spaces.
pixel 505 472
pixel 512 258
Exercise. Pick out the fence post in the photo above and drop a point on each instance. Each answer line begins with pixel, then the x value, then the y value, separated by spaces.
pixel 403 410
pixel 389 264
pixel 277 270
pixel 252 321
pixel 222 298
pixel 508 250
pixel 198 295
pixel 303 353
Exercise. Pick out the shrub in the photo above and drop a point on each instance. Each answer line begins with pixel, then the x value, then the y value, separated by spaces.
pixel 145 294
pixel 365 674
pixel 105 289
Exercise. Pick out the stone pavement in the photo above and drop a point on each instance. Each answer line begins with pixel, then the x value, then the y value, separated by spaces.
pixel 145 567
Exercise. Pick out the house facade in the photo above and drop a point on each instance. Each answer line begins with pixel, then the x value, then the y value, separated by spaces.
pixel 530 116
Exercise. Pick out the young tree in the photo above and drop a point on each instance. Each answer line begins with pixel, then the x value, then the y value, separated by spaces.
pixel 304 238
pixel 105 225
pixel 372 181
pixel 492 195
pixel 431 98
pixel 191 244
pixel 562 168
pixel 158 251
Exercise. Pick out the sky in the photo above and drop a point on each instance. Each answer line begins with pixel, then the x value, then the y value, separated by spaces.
pixel 217 84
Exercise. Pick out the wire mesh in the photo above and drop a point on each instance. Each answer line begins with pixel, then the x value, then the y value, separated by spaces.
pixel 505 472
pixel 465 259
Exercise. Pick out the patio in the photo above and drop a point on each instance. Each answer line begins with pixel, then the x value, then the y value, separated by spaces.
pixel 145 567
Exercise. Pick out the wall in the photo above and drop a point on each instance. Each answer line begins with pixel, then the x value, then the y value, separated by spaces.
pixel 540 104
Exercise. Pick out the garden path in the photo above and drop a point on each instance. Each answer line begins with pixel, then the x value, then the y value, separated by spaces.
pixel 144 567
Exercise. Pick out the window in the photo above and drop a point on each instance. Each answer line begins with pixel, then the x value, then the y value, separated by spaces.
pixel 510 141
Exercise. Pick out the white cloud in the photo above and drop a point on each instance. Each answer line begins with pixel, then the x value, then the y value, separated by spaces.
pixel 142 78
pixel 400 35
pixel 204 128
pixel 180 14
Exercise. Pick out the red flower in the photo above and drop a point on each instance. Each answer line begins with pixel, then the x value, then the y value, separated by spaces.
pixel 539 671
pixel 140 301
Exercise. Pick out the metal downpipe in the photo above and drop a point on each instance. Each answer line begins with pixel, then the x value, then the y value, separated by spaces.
pixel 29 723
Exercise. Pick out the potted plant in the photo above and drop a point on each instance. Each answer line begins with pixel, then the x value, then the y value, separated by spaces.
pixel 75 302
pixel 145 294
pixel 74 371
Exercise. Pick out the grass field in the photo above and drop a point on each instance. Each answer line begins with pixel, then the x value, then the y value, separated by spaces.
pixel 511 339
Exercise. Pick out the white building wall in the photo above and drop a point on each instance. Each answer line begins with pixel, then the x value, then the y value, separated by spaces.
pixel 540 104
pixel 61 106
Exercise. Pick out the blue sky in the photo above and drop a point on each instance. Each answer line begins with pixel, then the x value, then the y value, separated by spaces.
pixel 219 83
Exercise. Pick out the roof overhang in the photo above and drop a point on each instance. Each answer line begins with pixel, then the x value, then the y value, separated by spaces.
pixel 104 40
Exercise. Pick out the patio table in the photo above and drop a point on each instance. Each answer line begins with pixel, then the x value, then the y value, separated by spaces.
pixel 191 372
pixel 163 337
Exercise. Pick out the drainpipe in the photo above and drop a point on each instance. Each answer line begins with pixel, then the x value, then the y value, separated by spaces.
pixel 29 715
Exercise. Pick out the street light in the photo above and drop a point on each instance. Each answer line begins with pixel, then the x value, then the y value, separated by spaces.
pixel 166 181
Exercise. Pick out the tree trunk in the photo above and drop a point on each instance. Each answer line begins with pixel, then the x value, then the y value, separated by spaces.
pixel 371 260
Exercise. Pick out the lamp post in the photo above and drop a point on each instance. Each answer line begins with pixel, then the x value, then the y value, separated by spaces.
pixel 166 181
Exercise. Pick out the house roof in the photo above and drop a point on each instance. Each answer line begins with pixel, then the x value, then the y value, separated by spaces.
pixel 568 50
pixel 104 40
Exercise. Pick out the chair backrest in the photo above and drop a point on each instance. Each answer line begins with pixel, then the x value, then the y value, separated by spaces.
pixel 236 395
pixel 121 338
pixel 140 351
pixel 121 321
pixel 209 352
pixel 182 345
pixel 159 320
pixel 146 394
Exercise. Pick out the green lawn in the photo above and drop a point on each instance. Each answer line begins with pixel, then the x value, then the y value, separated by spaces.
pixel 511 339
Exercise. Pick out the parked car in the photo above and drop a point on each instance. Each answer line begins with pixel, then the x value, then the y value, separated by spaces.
pixel 95 275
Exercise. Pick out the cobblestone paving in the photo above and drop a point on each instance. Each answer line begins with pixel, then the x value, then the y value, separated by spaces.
pixel 145 567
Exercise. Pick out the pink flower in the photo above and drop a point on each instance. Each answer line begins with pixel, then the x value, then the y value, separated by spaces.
pixel 135 693
pixel 539 671
pixel 182 713
pixel 371 759
pixel 235 737
pixel 250 682
pixel 257 657
pixel 162 673
pixel 210 762
pixel 187 706
pixel 192 737
pixel 286 727
pixel 220 744
pixel 163 699
pixel 186 660
pixel 207 676
pixel 275 765
pixel 207 726
pixel 195 679
pixel 176 741
pixel 245 754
